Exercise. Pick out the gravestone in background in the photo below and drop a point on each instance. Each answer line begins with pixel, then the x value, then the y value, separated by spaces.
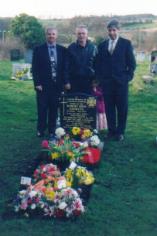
pixel 78 110
pixel 21 71
pixel 15 55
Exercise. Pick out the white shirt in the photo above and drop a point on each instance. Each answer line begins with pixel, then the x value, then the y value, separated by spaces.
pixel 112 42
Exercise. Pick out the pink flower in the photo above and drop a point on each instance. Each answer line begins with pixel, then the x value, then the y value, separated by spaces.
pixel 24 206
pixel 45 144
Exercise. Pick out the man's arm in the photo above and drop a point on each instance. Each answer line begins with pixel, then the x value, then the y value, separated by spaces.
pixel 35 70
pixel 131 62
pixel 66 70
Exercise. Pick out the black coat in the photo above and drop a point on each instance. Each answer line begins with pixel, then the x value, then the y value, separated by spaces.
pixel 41 66
pixel 119 66
pixel 81 60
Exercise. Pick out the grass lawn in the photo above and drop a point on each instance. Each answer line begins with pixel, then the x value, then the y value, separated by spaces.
pixel 124 198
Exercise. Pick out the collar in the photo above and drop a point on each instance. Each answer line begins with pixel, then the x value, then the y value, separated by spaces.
pixel 51 44
pixel 115 40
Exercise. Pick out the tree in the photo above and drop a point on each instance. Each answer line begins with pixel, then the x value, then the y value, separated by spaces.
pixel 28 29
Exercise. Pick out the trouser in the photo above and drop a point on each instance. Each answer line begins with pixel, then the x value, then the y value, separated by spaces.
pixel 47 108
pixel 116 104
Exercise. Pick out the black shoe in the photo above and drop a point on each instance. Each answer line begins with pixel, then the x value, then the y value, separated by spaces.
pixel 120 137
pixel 40 134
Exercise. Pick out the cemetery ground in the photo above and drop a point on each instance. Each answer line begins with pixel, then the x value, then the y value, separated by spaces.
pixel 124 197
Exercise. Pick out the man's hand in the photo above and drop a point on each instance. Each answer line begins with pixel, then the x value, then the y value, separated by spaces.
pixel 39 88
pixel 67 86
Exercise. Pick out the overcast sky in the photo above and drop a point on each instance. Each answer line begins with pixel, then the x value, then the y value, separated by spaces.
pixel 70 8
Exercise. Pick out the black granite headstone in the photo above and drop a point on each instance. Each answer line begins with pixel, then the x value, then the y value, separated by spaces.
pixel 78 110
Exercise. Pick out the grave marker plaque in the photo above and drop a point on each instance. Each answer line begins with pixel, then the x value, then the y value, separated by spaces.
pixel 78 110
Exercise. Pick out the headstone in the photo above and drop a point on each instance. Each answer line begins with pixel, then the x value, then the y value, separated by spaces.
pixel 21 71
pixel 78 110
pixel 140 56
pixel 15 54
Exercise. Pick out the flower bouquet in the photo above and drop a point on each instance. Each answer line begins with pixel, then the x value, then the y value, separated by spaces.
pixel 63 203
pixel 81 179
pixel 64 152
pixel 45 171
pixel 67 203
pixel 28 201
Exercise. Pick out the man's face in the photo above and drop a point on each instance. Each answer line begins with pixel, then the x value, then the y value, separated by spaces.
pixel 113 32
pixel 51 36
pixel 82 35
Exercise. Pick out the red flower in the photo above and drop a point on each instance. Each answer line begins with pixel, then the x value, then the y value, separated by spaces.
pixel 93 156
pixel 37 200
pixel 59 213
pixel 29 201
pixel 43 176
pixel 45 144
pixel 76 144
pixel 77 213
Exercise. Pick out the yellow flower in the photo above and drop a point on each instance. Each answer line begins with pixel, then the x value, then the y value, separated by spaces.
pixel 55 155
pixel 84 176
pixel 70 154
pixel 87 133
pixel 69 177
pixel 76 130
pixel 69 184
pixel 49 194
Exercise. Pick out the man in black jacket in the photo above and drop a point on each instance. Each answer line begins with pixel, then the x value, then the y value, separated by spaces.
pixel 48 67
pixel 80 64
pixel 115 67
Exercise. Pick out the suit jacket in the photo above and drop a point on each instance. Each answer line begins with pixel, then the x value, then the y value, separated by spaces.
pixel 119 66
pixel 41 66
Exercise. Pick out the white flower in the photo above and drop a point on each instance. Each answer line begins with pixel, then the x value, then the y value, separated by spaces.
pixel 22 192
pixel 94 140
pixel 85 144
pixel 95 131
pixel 33 206
pixel 16 208
pixel 62 205
pixel 59 132
pixel 33 193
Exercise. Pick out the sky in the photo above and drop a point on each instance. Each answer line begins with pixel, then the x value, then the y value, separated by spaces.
pixel 70 8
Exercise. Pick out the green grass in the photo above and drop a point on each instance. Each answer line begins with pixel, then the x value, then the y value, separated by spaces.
pixel 124 197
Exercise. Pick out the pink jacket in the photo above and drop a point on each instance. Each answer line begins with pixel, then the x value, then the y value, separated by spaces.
pixel 100 100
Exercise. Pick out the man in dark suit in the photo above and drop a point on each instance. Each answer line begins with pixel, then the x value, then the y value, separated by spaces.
pixel 115 65
pixel 48 67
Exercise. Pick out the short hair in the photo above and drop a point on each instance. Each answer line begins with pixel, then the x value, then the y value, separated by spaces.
pixel 113 24
pixel 82 27
pixel 50 28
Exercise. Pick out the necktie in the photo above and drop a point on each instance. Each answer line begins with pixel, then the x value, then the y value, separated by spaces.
pixel 53 64
pixel 111 47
